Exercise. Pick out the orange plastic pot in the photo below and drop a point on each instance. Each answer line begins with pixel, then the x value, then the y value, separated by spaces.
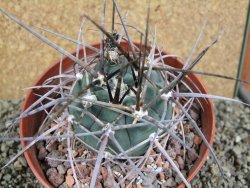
pixel 30 125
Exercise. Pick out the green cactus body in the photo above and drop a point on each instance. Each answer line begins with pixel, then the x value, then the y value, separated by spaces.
pixel 129 137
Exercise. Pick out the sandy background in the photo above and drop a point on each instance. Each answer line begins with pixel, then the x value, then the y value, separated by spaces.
pixel 23 57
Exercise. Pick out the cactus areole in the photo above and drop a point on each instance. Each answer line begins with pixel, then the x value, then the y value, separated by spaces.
pixel 118 89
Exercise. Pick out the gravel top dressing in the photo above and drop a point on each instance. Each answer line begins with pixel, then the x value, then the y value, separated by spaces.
pixel 232 147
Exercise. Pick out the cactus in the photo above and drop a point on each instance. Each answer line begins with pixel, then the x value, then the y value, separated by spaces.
pixel 128 138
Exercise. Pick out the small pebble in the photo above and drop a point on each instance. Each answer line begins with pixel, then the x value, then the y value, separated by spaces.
pixel 170 182
pixel 17 165
pixel 61 169
pixel 194 115
pixel 197 140
pixel 191 155
pixel 7 177
pixel 180 162
pixel 70 171
pixel 54 154
pixel 70 180
pixel 42 153
pixel 186 128
pixel 166 165
pixel 237 139
pixel 54 177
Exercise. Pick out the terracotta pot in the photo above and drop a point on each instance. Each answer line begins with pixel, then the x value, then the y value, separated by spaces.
pixel 30 125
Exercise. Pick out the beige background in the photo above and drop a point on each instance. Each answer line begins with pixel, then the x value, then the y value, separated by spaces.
pixel 178 22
